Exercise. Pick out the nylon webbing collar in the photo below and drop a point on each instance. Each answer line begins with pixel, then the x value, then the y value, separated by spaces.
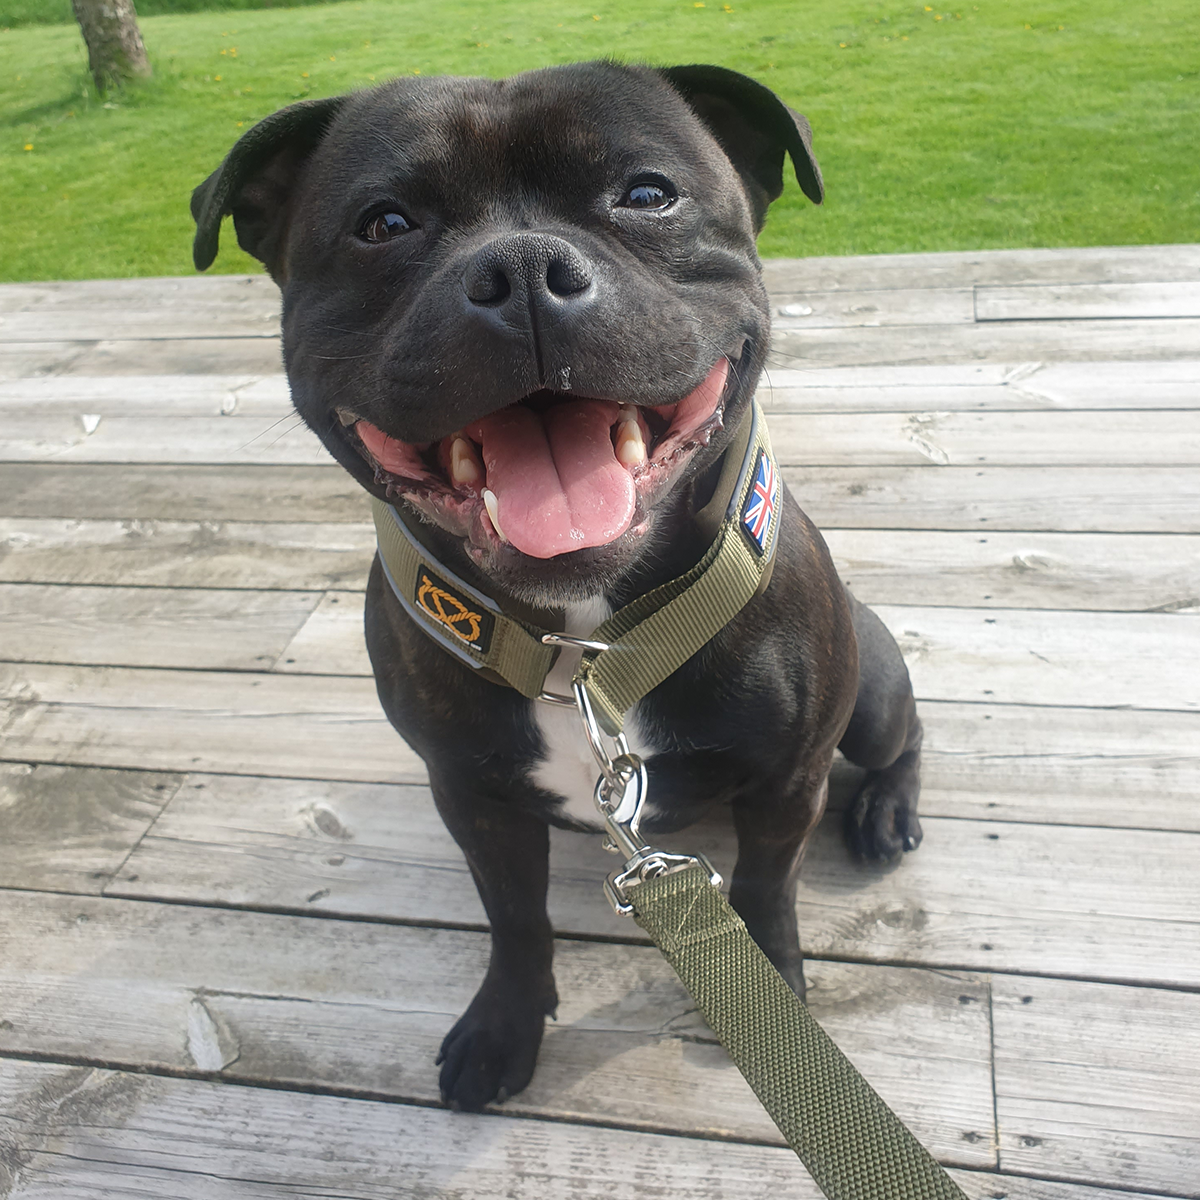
pixel 649 638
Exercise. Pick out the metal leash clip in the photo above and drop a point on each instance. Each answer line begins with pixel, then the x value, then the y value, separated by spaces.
pixel 621 797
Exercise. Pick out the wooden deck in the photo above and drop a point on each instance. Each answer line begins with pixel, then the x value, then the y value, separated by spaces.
pixel 233 930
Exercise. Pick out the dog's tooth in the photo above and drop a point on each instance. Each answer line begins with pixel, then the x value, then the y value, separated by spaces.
pixel 492 505
pixel 346 417
pixel 630 445
pixel 466 467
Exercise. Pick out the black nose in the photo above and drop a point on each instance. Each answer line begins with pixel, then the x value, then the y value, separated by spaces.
pixel 533 268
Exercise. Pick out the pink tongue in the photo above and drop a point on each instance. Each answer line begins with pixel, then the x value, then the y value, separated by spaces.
pixel 555 474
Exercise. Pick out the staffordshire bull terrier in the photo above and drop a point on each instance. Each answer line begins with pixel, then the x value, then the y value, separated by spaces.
pixel 528 313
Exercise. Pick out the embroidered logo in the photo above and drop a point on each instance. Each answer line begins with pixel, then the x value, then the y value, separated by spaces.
pixel 762 503
pixel 455 611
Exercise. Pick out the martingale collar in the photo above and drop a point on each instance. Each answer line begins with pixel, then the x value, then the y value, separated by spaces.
pixel 643 642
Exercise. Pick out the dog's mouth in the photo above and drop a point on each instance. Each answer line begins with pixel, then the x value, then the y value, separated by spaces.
pixel 553 473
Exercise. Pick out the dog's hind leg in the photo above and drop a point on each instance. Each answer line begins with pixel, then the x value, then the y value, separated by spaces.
pixel 884 735
pixel 773 824
pixel 492 1049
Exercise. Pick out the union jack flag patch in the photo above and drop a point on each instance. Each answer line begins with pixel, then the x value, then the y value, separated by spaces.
pixel 761 505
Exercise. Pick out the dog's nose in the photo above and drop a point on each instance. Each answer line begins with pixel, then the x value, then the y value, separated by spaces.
pixel 530 267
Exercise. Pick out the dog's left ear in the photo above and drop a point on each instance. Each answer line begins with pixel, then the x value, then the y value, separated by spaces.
pixel 755 129
pixel 255 181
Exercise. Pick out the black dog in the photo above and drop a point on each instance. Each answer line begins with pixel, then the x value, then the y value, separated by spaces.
pixel 529 312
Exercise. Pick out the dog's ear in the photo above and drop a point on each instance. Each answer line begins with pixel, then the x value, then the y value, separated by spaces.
pixel 255 181
pixel 754 128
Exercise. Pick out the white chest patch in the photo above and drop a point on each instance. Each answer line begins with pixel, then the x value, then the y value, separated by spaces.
pixel 569 770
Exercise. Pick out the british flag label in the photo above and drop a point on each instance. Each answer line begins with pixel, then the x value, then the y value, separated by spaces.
pixel 762 504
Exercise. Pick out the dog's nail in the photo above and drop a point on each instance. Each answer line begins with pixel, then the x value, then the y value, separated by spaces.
pixel 909 844
pixel 630 445
pixel 492 505
pixel 501 1095
pixel 466 467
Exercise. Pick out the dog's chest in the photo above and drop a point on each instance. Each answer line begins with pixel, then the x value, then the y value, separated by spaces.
pixel 568 769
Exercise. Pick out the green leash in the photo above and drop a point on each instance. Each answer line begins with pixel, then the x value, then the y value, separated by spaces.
pixel 854 1146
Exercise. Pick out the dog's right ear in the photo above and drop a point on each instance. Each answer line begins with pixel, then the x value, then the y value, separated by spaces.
pixel 255 182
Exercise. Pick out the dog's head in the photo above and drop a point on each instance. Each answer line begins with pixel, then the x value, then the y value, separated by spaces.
pixel 529 307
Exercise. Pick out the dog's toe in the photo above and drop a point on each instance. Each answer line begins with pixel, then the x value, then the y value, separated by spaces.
pixel 882 823
pixel 489 1054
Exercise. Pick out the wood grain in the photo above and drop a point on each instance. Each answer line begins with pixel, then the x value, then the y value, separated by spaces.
pixel 209 495
pixel 265 998
pixel 987 341
pixel 68 829
pixel 969 268
pixel 187 554
pixel 143 626
pixel 1079 301
pixel 1099 1082
pixel 1031 498
pixel 242 722
pixel 176 395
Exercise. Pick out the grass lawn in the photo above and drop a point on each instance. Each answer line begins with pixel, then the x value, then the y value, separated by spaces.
pixel 997 124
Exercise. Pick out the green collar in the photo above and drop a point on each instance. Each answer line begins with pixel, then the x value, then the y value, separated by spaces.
pixel 640 644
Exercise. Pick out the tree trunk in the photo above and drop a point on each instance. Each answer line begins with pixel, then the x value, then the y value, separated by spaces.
pixel 115 49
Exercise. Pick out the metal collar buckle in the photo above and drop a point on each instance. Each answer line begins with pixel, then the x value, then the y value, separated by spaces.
pixel 621 798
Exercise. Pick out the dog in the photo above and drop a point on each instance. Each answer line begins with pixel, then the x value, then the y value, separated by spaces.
pixel 529 314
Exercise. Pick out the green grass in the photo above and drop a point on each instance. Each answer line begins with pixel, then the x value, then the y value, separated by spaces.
pixel 58 12
pixel 998 124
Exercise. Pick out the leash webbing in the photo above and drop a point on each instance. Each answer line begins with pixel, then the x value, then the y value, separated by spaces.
pixel 853 1145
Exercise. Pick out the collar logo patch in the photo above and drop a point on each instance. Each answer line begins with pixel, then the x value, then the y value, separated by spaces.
pixel 762 505
pixel 454 611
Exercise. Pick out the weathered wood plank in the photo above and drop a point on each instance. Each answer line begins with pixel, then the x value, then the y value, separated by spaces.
pixel 1010 656
pixel 60 438
pixel 1095 1082
pixel 1000 655
pixel 117 491
pixel 1147 439
pixel 1077 301
pixel 1116 905
pixel 102 1135
pixel 1063 571
pixel 240 722
pixel 889 306
pixel 279 999
pixel 173 627
pixel 1073 765
pixel 1108 572
pixel 178 356
pixel 1081 499
pixel 373 850
pixel 183 554
pixel 216 305
pixel 1077 499
pixel 149 395
pixel 333 633
pixel 969 268
pixel 19 360
pixel 983 386
pixel 995 341
pixel 67 829
pixel 105 1135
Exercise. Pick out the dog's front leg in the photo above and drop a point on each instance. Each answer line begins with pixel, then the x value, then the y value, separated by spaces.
pixel 491 1051
pixel 773 825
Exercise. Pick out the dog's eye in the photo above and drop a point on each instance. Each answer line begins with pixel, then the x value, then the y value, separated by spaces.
pixel 383 227
pixel 649 195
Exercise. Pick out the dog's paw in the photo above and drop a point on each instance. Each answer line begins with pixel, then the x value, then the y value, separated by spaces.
pixel 491 1051
pixel 881 823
